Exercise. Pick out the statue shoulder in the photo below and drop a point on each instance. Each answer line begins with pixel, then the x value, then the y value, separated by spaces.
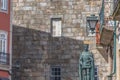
pixel 82 54
pixel 90 53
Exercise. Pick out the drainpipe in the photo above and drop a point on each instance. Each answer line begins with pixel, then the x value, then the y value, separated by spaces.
pixel 10 46
pixel 114 54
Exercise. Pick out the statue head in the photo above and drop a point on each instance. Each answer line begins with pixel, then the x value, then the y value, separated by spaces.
pixel 86 46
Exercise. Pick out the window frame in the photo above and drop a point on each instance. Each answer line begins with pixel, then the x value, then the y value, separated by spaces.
pixel 56 73
pixel 96 70
pixel 52 29
pixel 3 40
pixel 4 7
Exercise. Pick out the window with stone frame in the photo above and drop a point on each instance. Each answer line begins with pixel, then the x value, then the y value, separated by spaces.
pixel 3 47
pixel 4 5
pixel 96 73
pixel 56 26
pixel 55 73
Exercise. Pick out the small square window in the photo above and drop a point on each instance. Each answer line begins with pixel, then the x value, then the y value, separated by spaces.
pixel 55 73
pixel 4 5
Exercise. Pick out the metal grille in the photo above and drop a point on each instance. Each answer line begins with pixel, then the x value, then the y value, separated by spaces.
pixel 4 58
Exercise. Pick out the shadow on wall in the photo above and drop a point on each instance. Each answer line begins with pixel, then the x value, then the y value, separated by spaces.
pixel 37 50
pixel 103 52
pixel 106 52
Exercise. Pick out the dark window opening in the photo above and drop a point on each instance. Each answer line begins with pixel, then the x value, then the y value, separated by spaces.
pixel 55 73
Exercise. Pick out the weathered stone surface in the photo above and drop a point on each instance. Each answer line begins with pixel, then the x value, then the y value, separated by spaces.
pixel 37 50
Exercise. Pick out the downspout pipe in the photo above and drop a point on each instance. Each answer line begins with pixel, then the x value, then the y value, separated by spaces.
pixel 114 54
pixel 10 46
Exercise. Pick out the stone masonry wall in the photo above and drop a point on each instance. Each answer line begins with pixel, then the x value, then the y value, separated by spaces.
pixel 36 50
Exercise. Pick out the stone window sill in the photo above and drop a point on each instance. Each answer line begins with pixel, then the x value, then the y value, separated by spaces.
pixel 4 11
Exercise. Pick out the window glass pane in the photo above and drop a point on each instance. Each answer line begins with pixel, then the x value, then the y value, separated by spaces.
pixel 3 36
pixel 55 69
pixel 59 78
pixel 56 27
pixel 52 78
pixel 56 78
pixel 3 45
pixel 56 73
pixel 0 45
pixel 59 73
pixel 4 4
pixel 53 73
pixel 96 73
pixel 58 69
pixel 3 42
pixel 96 78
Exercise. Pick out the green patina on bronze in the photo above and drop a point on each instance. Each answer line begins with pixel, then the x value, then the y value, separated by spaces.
pixel 86 65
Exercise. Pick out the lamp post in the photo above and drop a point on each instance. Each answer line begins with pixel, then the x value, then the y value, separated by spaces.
pixel 91 23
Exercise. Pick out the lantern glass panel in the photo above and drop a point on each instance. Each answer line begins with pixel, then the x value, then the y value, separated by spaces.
pixel 92 24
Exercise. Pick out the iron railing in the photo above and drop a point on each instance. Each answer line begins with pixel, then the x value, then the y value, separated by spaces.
pixel 4 58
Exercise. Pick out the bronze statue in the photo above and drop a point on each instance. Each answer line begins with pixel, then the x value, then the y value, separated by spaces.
pixel 86 65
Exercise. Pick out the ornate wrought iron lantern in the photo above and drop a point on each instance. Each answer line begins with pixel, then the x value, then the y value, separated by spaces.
pixel 91 23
